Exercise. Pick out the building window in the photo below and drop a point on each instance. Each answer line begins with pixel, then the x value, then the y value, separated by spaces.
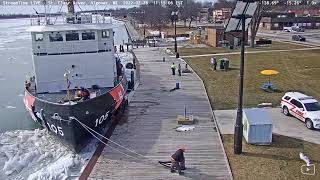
pixel 276 25
pixel 55 37
pixel 72 36
pixel 88 36
pixel 304 24
pixel 317 24
pixel 39 37
pixel 308 24
pixel 299 24
pixel 105 34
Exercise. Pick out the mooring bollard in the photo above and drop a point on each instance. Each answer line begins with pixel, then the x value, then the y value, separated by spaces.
pixel 177 85
pixel 163 59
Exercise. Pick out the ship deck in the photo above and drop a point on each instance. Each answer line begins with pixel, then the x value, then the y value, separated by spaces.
pixel 61 97
pixel 149 128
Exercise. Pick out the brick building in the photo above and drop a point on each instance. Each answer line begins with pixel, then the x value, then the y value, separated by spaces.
pixel 215 35
pixel 221 14
pixel 276 21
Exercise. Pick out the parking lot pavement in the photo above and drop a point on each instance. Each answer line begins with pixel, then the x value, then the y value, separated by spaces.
pixel 283 125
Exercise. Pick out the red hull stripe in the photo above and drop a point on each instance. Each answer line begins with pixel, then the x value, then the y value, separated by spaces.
pixel 28 101
pixel 118 94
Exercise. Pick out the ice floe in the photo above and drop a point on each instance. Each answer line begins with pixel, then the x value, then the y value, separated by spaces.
pixel 36 154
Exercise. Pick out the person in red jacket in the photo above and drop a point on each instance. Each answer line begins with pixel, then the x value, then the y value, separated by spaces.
pixel 178 161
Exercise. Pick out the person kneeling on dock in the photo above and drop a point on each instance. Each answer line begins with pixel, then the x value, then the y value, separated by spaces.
pixel 178 161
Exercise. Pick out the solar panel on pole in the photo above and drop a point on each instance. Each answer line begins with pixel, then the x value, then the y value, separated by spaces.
pixel 241 17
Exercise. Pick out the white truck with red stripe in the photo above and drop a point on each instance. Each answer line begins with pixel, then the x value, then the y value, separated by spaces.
pixel 305 108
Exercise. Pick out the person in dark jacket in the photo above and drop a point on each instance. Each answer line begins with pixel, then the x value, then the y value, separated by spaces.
pixel 178 161
pixel 85 94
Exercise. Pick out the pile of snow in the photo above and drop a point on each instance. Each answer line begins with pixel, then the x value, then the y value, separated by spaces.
pixel 125 57
pixel 185 128
pixel 26 154
pixel 179 39
pixel 153 32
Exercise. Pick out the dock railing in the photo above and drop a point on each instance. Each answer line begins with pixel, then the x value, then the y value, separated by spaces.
pixel 64 18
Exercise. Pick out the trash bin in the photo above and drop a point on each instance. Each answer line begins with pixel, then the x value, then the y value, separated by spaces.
pixel 222 61
pixel 177 85
pixel 226 64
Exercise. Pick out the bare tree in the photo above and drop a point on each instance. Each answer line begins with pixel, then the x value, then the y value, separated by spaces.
pixel 156 16
pixel 189 10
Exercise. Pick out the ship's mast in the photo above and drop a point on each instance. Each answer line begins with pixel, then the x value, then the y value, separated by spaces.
pixel 70 5
pixel 70 15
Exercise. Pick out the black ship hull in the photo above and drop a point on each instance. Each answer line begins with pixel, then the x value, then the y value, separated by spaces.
pixel 63 120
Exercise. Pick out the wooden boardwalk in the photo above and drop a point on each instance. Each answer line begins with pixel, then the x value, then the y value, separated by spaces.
pixel 149 128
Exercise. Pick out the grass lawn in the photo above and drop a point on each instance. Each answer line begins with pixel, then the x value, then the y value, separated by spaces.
pixel 277 161
pixel 210 50
pixel 298 70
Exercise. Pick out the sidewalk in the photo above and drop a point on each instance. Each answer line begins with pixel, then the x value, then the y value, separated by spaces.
pixel 133 34
pixel 283 125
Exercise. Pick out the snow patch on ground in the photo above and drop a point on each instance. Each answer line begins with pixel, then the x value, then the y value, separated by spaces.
pixel 26 154
pixel 125 57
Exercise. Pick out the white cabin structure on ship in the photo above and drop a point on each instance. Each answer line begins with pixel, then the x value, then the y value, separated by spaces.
pixel 84 48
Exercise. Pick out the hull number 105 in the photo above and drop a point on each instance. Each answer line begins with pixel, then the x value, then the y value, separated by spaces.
pixel 102 119
pixel 57 130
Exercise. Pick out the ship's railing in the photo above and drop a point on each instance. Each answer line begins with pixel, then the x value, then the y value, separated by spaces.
pixel 79 18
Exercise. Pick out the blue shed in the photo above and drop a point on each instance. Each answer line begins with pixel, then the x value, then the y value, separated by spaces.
pixel 257 126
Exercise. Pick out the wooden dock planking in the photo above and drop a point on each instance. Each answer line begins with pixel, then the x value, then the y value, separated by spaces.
pixel 149 130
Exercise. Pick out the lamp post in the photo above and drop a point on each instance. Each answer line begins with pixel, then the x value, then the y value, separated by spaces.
pixel 174 15
pixel 244 9
pixel 238 128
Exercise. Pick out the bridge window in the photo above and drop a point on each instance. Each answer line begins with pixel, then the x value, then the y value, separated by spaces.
pixel 105 34
pixel 88 36
pixel 55 37
pixel 39 37
pixel 72 36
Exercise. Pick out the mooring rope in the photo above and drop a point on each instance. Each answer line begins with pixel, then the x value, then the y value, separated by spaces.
pixel 90 129
pixel 109 145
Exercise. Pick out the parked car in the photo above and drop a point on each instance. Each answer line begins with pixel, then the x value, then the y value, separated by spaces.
pixel 297 29
pixel 298 38
pixel 305 108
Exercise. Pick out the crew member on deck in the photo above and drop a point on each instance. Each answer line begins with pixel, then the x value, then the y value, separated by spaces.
pixel 177 161
pixel 77 93
pixel 85 94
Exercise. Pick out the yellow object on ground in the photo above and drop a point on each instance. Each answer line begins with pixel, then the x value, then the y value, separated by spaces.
pixel 269 72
